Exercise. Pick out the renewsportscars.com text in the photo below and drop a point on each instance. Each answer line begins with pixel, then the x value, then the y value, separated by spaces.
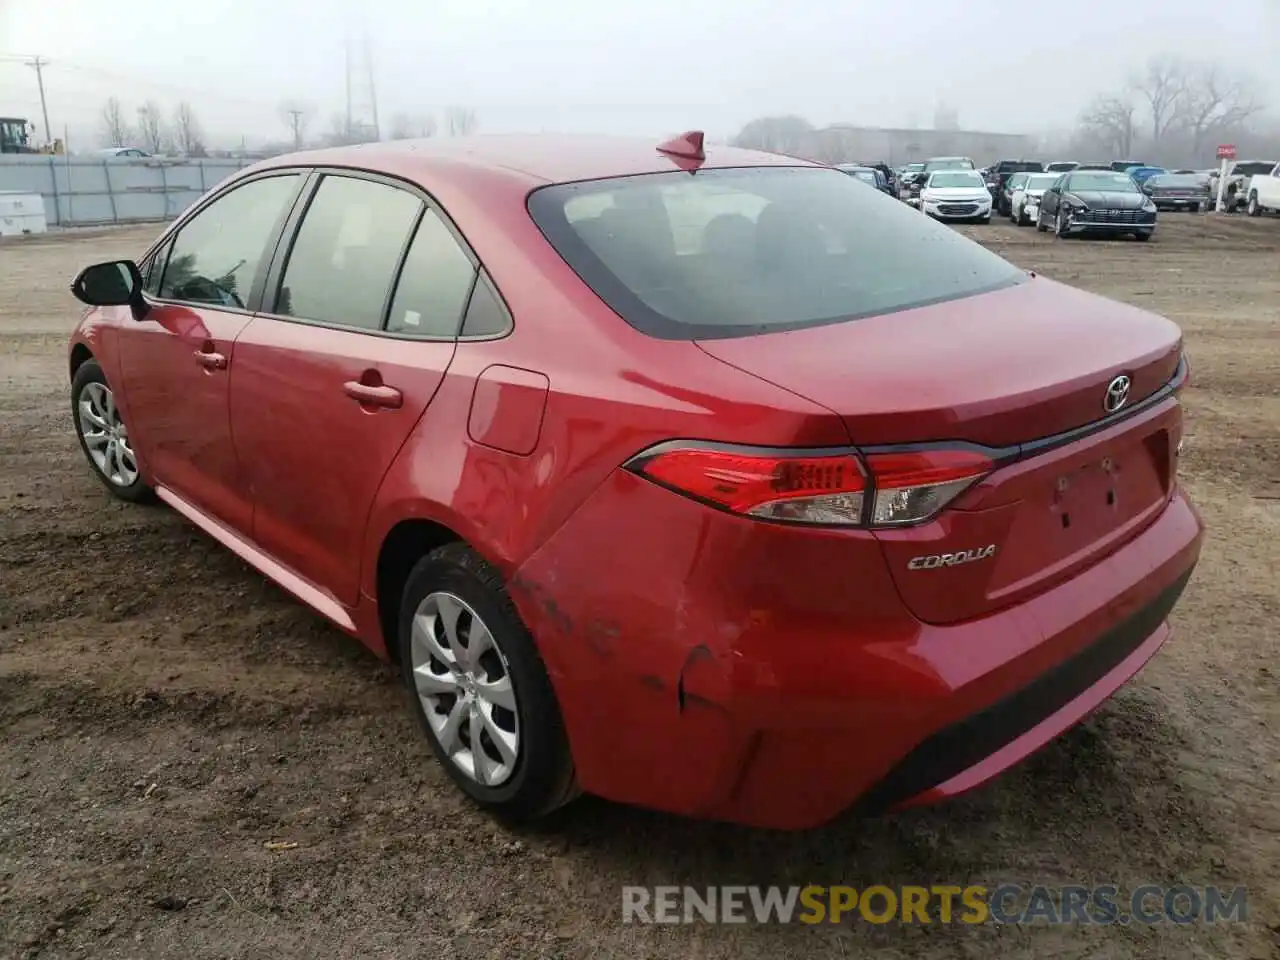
pixel 937 903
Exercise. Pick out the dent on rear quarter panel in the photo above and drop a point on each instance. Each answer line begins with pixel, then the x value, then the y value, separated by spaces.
pixel 641 674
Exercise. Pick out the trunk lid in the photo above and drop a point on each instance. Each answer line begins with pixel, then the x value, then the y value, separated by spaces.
pixel 998 369
pixel 1004 370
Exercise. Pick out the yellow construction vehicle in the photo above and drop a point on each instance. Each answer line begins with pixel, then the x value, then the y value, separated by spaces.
pixel 15 137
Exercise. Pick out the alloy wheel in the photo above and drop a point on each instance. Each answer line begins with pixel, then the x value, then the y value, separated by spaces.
pixel 462 678
pixel 105 435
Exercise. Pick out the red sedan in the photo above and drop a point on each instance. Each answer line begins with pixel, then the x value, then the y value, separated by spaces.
pixel 707 480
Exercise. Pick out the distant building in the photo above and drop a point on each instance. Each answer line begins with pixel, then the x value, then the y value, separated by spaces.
pixel 895 146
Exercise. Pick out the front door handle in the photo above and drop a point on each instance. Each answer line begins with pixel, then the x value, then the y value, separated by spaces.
pixel 211 360
pixel 373 396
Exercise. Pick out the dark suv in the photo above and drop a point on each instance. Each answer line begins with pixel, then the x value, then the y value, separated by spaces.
pixel 1001 171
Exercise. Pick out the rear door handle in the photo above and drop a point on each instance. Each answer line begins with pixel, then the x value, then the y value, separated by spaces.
pixel 210 360
pixel 374 396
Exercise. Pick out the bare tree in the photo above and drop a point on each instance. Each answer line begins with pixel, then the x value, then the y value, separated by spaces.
pixel 188 138
pixel 1163 86
pixel 461 121
pixel 406 126
pixel 115 129
pixel 297 116
pixel 1215 101
pixel 787 134
pixel 151 127
pixel 1110 120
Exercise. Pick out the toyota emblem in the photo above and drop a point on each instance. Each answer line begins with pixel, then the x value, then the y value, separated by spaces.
pixel 1117 394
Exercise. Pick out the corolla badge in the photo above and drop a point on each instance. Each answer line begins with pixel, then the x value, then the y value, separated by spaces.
pixel 1117 394
pixel 936 560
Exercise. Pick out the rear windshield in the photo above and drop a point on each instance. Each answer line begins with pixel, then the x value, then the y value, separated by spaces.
pixel 949 163
pixel 1177 180
pixel 732 252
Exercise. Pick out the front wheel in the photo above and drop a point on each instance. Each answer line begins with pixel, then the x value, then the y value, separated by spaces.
pixel 103 435
pixel 1143 236
pixel 1253 209
pixel 1060 224
pixel 1041 226
pixel 479 688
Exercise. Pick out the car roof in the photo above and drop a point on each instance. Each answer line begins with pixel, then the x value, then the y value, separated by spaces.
pixel 535 159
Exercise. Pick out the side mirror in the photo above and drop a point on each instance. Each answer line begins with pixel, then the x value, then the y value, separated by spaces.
pixel 117 283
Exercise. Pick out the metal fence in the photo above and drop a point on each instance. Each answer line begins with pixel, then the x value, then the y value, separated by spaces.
pixel 82 191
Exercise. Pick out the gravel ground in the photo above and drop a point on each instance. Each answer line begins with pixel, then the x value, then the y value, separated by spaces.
pixel 166 714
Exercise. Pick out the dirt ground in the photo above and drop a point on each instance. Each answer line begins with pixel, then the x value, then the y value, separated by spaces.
pixel 165 713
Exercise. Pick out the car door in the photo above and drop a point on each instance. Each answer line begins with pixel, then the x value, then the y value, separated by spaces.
pixel 1052 197
pixel 1269 189
pixel 175 362
pixel 359 325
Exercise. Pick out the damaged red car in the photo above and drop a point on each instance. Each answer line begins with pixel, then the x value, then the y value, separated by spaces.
pixel 695 478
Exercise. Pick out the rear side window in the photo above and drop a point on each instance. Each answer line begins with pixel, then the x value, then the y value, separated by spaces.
pixel 486 315
pixel 344 258
pixel 434 283
pixel 220 250
pixel 731 252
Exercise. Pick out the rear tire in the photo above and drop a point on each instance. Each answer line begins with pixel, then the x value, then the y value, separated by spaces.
pixel 512 758
pixel 1142 236
pixel 1041 227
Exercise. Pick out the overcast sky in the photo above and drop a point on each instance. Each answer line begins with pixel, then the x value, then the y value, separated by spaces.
pixel 647 66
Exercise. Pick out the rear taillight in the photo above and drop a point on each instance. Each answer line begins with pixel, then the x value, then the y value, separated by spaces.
pixel 911 486
pixel 1181 375
pixel 881 489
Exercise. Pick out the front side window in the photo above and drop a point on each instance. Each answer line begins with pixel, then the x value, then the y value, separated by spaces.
pixel 732 252
pixel 155 270
pixel 219 251
pixel 434 283
pixel 344 258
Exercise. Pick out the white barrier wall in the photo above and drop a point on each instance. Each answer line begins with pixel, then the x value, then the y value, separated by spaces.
pixel 82 190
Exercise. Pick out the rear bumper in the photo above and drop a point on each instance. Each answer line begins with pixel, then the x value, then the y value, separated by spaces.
pixel 722 668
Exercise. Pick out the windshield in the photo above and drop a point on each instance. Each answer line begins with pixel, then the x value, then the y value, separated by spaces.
pixel 737 251
pixel 949 163
pixel 1252 168
pixel 1040 181
pixel 1025 166
pixel 960 178
pixel 1061 166
pixel 1111 182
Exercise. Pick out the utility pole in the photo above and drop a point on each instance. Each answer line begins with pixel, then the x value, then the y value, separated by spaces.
pixel 38 64
pixel 373 93
pixel 295 121
pixel 347 131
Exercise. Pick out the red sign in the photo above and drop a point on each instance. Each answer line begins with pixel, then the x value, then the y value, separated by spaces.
pixel 1227 151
